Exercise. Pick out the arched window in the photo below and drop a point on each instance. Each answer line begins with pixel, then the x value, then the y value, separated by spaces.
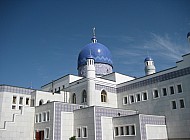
pixel 84 96
pixel 74 98
pixel 103 96
pixel 41 102
pixel 48 101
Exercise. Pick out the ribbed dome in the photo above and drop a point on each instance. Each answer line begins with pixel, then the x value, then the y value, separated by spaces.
pixel 100 53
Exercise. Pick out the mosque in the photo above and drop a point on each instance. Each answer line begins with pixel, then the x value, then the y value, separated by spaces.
pixel 100 104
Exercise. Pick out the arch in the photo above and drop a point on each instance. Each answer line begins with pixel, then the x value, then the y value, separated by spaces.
pixel 48 101
pixel 84 96
pixel 103 96
pixel 74 98
pixel 41 102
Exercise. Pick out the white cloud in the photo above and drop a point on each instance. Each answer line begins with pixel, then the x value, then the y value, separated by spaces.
pixel 164 46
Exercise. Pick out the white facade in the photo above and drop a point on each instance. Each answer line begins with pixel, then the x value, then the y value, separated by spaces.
pixel 108 107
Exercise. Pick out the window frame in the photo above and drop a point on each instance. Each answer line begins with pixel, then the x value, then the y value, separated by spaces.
pixel 136 97
pixel 156 94
pixel 177 89
pixel 172 92
pixel 181 99
pixel 125 100
pixel 144 93
pixel 172 105
pixel 45 133
pixel 166 91
pixel 104 96
pixel 84 135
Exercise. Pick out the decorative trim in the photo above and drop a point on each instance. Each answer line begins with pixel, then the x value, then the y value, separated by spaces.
pixel 156 79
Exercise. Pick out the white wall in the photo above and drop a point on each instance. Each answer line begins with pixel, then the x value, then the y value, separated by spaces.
pixel 107 128
pixel 156 132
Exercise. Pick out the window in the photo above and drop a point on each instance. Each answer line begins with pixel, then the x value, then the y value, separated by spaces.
pixel 173 103
pixel 40 117
pixel 164 91
pixel 179 88
pixel 36 118
pixel 13 107
pixel 132 99
pixel 155 93
pixel 41 102
pixel 27 101
pixel 126 130
pixel 14 100
pixel 78 133
pixel 181 103
pixel 125 100
pixel 21 100
pixel 171 90
pixel 84 132
pixel 144 96
pixel 44 116
pixel 20 107
pixel 47 133
pixel 116 131
pixel 48 116
pixel 138 97
pixel 103 96
pixel 121 130
pixel 74 98
pixel 84 96
pixel 132 130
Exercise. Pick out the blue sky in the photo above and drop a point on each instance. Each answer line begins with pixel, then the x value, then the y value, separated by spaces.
pixel 40 39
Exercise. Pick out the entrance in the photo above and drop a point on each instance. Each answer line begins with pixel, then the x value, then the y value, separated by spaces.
pixel 40 135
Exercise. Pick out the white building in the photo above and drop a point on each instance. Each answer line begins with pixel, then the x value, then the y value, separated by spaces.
pixel 100 104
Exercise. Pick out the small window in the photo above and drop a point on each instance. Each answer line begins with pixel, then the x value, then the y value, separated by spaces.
pixel 13 107
pixel 84 96
pixel 36 118
pixel 144 96
pixel 103 96
pixel 41 102
pixel 74 98
pixel 155 93
pixel 164 91
pixel 20 107
pixel 48 116
pixel 125 100
pixel 121 130
pixel 181 103
pixel 47 133
pixel 44 116
pixel 78 133
pixel 40 117
pixel 126 130
pixel 138 97
pixel 116 131
pixel 179 88
pixel 174 106
pixel 171 90
pixel 27 101
pixel 132 130
pixel 21 100
pixel 132 99
pixel 14 100
pixel 84 132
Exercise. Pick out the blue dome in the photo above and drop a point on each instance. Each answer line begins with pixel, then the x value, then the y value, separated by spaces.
pixel 100 53
pixel 148 59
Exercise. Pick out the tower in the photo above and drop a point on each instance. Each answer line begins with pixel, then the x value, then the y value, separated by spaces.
pixel 149 66
pixel 90 75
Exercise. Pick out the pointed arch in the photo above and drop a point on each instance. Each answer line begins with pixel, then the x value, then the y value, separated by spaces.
pixel 41 102
pixel 74 98
pixel 84 96
pixel 103 96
